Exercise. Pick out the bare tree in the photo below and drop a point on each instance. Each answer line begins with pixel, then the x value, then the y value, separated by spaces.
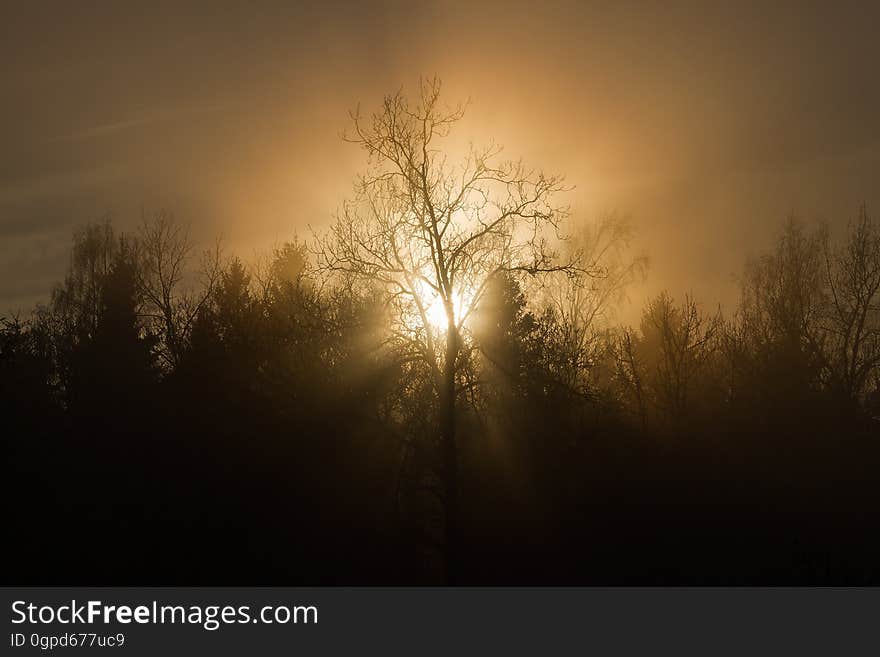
pixel 678 341
pixel 584 305
pixel 629 370
pixel 77 301
pixel 784 294
pixel 430 235
pixel 170 305
pixel 853 317
pixel 777 344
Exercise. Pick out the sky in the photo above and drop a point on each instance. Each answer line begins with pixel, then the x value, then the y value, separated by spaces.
pixel 707 124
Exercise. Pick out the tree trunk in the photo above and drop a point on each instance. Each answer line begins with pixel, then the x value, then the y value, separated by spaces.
pixel 450 455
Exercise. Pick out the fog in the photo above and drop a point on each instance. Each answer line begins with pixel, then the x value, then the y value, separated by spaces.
pixel 707 126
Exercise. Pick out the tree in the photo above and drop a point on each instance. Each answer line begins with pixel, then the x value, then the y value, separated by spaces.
pixel 583 306
pixel 169 305
pixel 629 370
pixel 74 311
pixel 678 343
pixel 784 300
pixel 76 302
pixel 120 338
pixel 853 318
pixel 431 235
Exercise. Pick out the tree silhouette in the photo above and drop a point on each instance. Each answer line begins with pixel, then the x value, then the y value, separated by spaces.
pixel 321 415
pixel 583 306
pixel 678 343
pixel 852 321
pixel 171 303
pixel 431 235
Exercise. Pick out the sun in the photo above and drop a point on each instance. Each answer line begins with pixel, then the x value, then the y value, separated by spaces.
pixel 435 312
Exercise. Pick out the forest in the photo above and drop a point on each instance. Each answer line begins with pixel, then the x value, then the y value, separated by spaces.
pixel 438 390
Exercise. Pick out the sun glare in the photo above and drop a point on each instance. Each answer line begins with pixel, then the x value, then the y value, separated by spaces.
pixel 435 313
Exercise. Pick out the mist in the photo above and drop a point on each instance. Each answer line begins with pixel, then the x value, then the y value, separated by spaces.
pixel 285 294
pixel 708 126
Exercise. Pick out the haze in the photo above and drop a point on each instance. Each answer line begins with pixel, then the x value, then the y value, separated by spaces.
pixel 707 125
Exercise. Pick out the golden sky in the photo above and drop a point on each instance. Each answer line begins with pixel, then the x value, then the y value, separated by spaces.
pixel 708 125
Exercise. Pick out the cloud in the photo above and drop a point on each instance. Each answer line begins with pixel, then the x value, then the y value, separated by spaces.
pixel 139 121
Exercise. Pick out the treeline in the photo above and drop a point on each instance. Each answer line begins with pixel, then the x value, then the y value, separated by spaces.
pixel 176 416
